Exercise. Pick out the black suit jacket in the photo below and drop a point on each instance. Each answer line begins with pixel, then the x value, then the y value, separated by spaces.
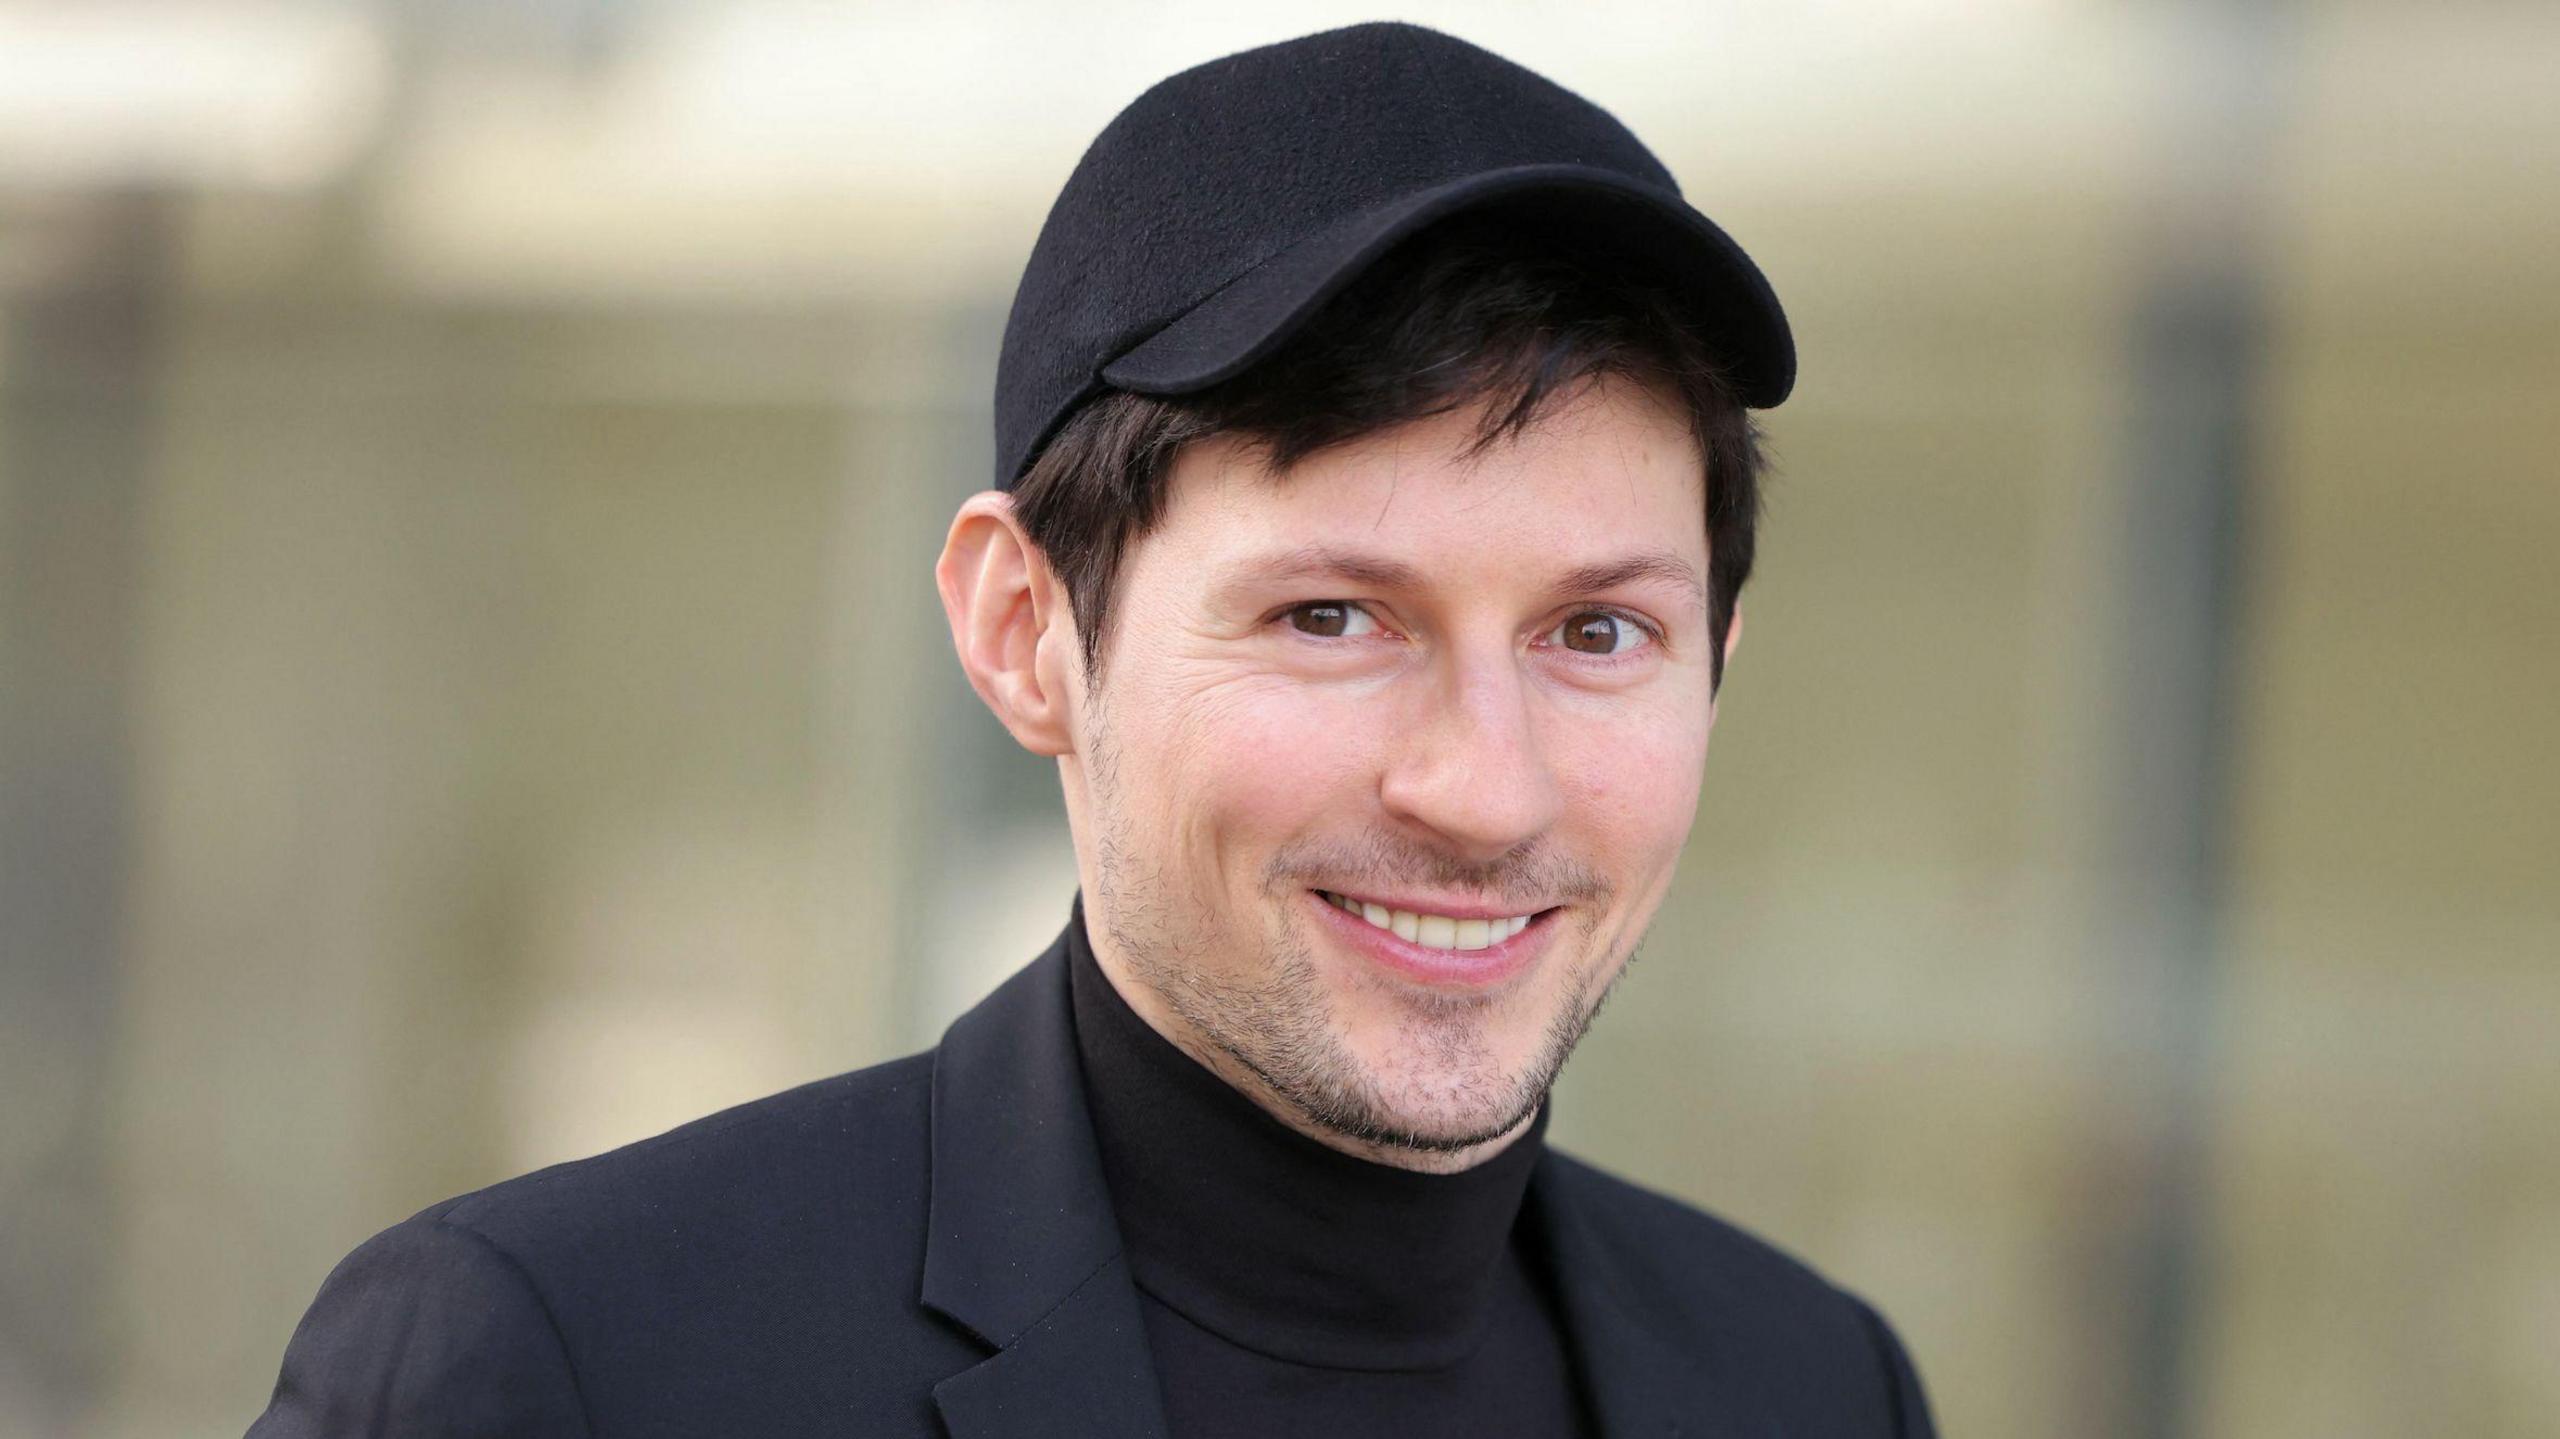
pixel 926 1248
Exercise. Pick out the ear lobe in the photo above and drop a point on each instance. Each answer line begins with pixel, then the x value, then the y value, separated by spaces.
pixel 1002 600
pixel 1724 661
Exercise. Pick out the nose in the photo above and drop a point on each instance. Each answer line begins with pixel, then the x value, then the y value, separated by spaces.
pixel 1470 767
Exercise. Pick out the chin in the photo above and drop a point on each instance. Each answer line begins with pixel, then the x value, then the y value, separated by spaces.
pixel 1434 1129
pixel 1472 1093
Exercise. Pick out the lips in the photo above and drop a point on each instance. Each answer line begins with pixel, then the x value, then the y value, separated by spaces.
pixel 1505 945
pixel 1430 930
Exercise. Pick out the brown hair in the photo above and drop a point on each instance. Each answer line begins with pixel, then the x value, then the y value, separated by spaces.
pixel 1492 308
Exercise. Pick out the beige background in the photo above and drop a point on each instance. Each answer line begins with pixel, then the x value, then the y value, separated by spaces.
pixel 471 692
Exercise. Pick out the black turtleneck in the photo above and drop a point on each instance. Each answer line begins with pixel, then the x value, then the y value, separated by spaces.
pixel 1291 1289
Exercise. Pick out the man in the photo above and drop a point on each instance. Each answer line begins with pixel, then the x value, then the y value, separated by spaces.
pixel 1376 486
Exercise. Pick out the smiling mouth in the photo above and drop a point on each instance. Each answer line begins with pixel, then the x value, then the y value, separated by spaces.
pixel 1432 931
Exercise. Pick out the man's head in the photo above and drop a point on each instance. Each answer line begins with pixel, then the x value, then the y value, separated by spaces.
pixel 1377 491
pixel 1426 612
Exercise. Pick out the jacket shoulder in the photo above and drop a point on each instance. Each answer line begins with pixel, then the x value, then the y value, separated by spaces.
pixel 723 1268
pixel 1823 1355
pixel 765 1166
pixel 425 1328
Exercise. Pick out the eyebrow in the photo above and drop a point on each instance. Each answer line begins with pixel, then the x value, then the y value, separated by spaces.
pixel 1308 562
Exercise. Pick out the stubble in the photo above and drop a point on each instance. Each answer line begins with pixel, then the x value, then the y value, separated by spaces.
pixel 1269 1024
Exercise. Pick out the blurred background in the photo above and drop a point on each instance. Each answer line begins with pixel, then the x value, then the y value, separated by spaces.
pixel 471 691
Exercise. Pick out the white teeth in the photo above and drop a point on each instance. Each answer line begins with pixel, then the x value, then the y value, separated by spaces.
pixel 1433 931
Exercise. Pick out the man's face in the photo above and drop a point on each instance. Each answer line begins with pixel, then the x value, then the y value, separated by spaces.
pixel 1457 695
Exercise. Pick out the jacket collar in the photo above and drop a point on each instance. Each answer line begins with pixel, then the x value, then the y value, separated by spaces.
pixel 1024 1252
pixel 1644 1366
pixel 1020 1214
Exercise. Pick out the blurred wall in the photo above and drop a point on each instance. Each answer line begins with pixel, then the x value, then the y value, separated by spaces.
pixel 471 692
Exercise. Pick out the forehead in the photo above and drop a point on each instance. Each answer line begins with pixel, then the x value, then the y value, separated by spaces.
pixel 1608 470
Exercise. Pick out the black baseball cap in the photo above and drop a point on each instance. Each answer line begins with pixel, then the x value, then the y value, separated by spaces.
pixel 1225 205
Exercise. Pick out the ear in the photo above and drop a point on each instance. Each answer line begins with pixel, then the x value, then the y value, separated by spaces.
pixel 1724 668
pixel 1010 622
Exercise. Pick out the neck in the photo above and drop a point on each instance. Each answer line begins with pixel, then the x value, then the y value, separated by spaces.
pixel 1271 1234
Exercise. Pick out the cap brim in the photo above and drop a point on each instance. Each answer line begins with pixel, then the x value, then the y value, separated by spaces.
pixel 1258 311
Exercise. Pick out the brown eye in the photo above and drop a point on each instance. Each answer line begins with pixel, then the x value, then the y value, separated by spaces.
pixel 1599 632
pixel 1595 633
pixel 1331 619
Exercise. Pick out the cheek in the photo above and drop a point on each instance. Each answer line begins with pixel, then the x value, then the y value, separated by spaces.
pixel 1632 780
pixel 1254 763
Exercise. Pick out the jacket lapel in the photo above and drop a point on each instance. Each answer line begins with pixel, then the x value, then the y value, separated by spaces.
pixel 1024 1251
pixel 1648 1374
